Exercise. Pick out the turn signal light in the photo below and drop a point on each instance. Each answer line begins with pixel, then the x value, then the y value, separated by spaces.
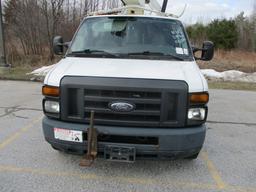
pixel 51 91
pixel 199 98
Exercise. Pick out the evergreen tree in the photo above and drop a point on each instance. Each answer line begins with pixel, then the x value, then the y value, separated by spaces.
pixel 223 33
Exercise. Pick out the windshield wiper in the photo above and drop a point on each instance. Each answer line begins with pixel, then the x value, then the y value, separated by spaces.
pixel 92 51
pixel 149 53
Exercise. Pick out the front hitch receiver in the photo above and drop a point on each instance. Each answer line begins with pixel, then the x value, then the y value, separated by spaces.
pixel 92 146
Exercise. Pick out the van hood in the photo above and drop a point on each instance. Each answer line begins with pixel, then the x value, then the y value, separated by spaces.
pixel 129 68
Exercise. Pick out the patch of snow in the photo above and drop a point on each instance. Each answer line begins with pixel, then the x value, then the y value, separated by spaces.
pixel 249 78
pixel 232 75
pixel 41 71
pixel 211 73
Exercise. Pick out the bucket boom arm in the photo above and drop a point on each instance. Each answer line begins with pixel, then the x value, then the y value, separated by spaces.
pixel 138 7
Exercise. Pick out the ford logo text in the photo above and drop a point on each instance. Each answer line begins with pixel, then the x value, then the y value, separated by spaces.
pixel 121 106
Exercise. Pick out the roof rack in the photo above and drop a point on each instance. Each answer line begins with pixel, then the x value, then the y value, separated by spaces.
pixel 135 9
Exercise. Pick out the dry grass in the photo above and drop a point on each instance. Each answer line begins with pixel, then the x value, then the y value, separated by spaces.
pixel 23 64
pixel 231 60
pixel 31 61
pixel 223 60
pixel 233 85
pixel 17 73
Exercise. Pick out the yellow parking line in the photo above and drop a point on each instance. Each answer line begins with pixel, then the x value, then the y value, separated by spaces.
pixel 172 183
pixel 131 180
pixel 45 172
pixel 240 189
pixel 89 176
pixel 18 133
pixel 213 171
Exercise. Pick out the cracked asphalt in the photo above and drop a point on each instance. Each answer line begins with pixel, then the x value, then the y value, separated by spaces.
pixel 27 163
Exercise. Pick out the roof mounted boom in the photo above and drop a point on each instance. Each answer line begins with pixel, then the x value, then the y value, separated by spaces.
pixel 138 7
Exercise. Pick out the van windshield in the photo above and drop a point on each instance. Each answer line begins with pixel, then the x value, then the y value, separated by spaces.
pixel 131 37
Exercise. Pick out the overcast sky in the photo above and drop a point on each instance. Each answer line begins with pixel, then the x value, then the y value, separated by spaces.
pixel 206 10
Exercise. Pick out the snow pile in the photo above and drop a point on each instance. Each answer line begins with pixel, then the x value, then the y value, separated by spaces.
pixel 41 72
pixel 231 75
pixel 210 74
pixel 226 75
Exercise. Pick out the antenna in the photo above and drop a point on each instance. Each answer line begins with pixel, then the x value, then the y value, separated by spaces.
pixel 123 2
pixel 164 6
pixel 184 9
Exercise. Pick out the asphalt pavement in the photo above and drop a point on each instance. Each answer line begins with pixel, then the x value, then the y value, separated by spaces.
pixel 27 163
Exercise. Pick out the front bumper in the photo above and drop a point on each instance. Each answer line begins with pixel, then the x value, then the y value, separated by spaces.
pixel 172 142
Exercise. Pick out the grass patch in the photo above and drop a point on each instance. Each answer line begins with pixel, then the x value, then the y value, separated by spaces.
pixel 17 73
pixel 231 60
pixel 233 85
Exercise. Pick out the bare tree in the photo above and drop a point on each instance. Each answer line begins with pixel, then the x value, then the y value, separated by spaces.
pixel 32 24
pixel 254 26
pixel 23 19
pixel 52 11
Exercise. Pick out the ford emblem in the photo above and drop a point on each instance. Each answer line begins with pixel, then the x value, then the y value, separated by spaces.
pixel 121 106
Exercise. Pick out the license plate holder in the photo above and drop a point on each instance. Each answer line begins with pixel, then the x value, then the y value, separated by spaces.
pixel 120 153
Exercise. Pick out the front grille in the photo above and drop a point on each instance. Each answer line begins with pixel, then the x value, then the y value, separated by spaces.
pixel 148 106
pixel 154 106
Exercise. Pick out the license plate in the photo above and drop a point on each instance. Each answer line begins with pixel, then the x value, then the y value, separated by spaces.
pixel 68 135
pixel 120 154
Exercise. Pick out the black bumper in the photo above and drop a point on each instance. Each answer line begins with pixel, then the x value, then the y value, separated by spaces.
pixel 172 142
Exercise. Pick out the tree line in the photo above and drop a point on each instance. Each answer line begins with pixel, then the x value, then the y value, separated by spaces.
pixel 30 25
pixel 235 33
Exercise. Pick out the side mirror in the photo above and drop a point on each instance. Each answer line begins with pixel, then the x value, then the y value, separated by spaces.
pixel 207 51
pixel 58 46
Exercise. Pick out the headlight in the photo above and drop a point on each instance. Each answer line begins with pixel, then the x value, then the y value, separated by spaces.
pixel 197 114
pixel 51 106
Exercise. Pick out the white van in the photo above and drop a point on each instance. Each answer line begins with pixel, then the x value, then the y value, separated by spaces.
pixel 138 75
